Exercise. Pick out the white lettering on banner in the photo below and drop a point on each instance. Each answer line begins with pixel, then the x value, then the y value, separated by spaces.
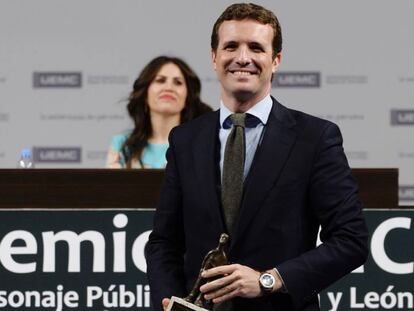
pixel 371 300
pixel 138 255
pixel 360 269
pixel 73 241
pixel 334 300
pixel 59 80
pixel 405 117
pixel 378 250
pixel 44 299
pixel 298 79
pixel 118 297
pixel 7 250
pixel 120 221
pixel 51 155
pixel 354 304
pixel 387 300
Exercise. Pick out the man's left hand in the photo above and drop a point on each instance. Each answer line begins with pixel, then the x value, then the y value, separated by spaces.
pixel 235 281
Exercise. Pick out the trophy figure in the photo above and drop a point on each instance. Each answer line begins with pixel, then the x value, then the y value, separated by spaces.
pixel 195 300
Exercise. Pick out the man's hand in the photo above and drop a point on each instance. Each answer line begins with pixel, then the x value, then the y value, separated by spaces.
pixel 235 281
pixel 165 303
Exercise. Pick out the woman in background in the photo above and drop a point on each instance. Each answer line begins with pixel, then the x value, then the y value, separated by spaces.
pixel 165 94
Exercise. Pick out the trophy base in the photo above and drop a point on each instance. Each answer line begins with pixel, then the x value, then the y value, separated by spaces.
pixel 179 304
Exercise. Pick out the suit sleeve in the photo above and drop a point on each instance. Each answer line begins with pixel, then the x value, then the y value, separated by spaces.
pixel 165 248
pixel 333 197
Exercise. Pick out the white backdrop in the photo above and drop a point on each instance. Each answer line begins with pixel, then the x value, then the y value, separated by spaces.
pixel 66 68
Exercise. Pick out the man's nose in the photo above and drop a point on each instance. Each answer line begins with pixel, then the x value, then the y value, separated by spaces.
pixel 243 56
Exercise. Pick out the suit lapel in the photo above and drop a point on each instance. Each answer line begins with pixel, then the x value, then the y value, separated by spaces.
pixel 206 166
pixel 269 160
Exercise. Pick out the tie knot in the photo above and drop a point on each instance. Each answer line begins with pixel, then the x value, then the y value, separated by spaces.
pixel 238 119
pixel 250 121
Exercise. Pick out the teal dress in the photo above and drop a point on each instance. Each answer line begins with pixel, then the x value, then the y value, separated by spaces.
pixel 153 156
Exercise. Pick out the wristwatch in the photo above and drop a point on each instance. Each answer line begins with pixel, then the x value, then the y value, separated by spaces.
pixel 266 282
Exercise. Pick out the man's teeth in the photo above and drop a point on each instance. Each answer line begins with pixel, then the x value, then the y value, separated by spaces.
pixel 242 73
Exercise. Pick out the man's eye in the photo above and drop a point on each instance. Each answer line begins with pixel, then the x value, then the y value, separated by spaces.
pixel 257 49
pixel 231 47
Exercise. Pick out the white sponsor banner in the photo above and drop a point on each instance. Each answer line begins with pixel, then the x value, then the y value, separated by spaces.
pixel 66 69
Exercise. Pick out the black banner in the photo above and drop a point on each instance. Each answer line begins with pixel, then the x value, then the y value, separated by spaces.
pixel 94 260
pixel 74 260
pixel 386 281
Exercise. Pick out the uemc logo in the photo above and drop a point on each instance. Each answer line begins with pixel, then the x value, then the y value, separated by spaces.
pixel 297 79
pixel 402 117
pixel 57 154
pixel 406 193
pixel 57 79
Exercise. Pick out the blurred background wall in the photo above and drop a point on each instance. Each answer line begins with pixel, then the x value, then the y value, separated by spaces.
pixel 66 68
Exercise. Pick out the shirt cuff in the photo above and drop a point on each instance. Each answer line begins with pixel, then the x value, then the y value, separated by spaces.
pixel 283 289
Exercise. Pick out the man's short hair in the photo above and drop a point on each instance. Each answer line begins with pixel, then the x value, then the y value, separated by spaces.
pixel 241 11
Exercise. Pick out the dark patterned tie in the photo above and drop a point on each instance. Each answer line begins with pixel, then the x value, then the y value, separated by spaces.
pixel 233 167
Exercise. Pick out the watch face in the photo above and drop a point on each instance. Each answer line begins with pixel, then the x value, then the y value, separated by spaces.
pixel 267 280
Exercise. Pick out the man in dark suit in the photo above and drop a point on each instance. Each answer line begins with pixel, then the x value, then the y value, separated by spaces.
pixel 295 178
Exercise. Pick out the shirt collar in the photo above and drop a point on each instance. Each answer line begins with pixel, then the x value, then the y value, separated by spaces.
pixel 261 110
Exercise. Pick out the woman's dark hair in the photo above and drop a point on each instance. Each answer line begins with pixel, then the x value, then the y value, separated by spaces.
pixel 138 108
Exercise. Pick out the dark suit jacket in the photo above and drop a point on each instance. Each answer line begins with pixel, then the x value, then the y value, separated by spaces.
pixel 299 179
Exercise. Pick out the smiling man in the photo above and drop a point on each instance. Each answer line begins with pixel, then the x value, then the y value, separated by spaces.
pixel 267 175
pixel 244 60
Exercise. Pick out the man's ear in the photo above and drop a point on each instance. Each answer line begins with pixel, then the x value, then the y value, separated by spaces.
pixel 213 59
pixel 276 62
